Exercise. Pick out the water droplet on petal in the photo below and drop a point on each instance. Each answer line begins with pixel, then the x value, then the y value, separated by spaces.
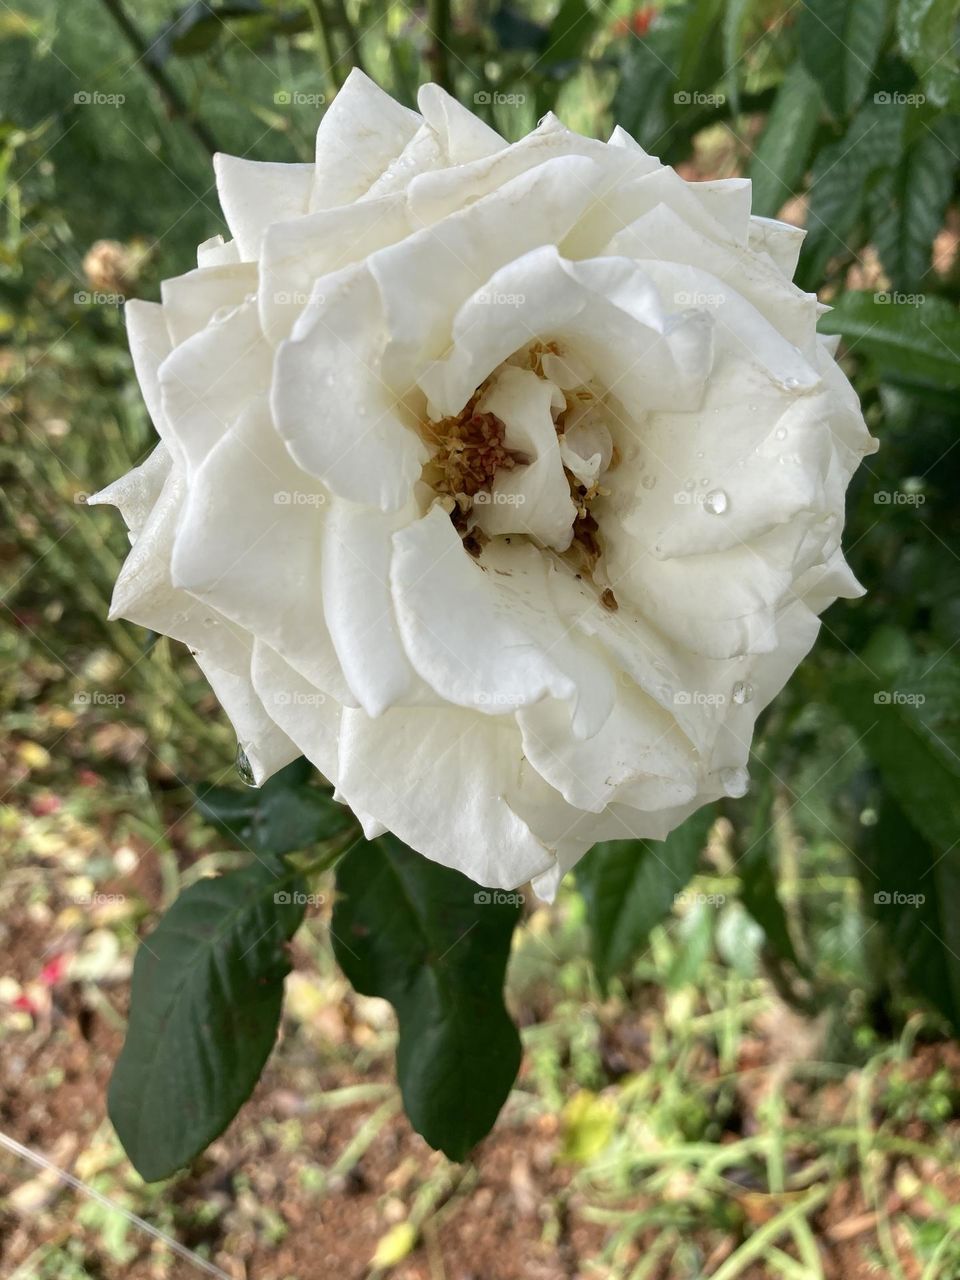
pixel 781 433
pixel 648 481
pixel 742 692
pixel 791 384
pixel 715 502
pixel 244 767
pixel 735 782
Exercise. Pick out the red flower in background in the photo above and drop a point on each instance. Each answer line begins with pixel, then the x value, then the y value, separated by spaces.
pixel 638 24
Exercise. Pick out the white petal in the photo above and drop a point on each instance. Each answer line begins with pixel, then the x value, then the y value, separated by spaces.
pixel 341 422
pixel 781 241
pixel 296 255
pixel 606 308
pixel 217 252
pixel 465 137
pixel 362 130
pixel 149 347
pixel 357 604
pixel 265 745
pixel 485 634
pixel 191 301
pixel 136 493
pixel 310 718
pixel 254 194
pixel 208 381
pixel 261 571
pixel 438 779
pixel 534 498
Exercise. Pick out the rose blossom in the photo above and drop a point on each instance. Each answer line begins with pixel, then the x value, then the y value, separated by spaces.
pixel 505 483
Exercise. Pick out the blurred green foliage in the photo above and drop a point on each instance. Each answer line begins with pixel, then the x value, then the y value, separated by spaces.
pixel 846 115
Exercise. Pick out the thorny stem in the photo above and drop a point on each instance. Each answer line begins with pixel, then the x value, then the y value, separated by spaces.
pixel 171 95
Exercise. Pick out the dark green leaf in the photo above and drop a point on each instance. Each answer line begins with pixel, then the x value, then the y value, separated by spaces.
pixel 840 182
pixel 204 1009
pixel 839 42
pixel 570 32
pixel 757 868
pixel 436 946
pixel 735 17
pixel 629 886
pixel 913 891
pixel 913 341
pixel 910 729
pixel 908 206
pixel 783 152
pixel 929 31
pixel 285 815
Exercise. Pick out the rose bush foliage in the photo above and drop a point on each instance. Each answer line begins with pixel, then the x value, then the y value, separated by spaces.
pixel 504 482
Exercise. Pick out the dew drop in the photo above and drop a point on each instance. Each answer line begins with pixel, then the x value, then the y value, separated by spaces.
pixel 735 782
pixel 781 433
pixel 791 384
pixel 211 622
pixel 244 767
pixel 688 485
pixel 715 502
pixel 648 482
pixel 742 692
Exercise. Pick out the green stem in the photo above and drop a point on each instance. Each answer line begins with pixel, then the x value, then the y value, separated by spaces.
pixel 171 95
pixel 331 64
pixel 351 54
pixel 438 23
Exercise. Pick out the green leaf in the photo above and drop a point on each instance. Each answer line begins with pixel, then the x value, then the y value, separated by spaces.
pixel 839 42
pixel 929 31
pixel 783 152
pixel 436 946
pixel 757 868
pixel 735 16
pixel 910 729
pixel 285 815
pixel 908 207
pixel 913 891
pixel 570 32
pixel 915 341
pixel 840 182
pixel 204 1010
pixel 629 886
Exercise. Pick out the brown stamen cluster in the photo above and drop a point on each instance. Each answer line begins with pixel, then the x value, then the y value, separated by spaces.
pixel 470 452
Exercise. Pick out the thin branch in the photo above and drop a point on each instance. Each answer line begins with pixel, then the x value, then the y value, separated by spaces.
pixel 174 101
pixel 438 23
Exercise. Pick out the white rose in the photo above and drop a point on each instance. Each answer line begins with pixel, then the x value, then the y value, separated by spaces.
pixel 505 483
